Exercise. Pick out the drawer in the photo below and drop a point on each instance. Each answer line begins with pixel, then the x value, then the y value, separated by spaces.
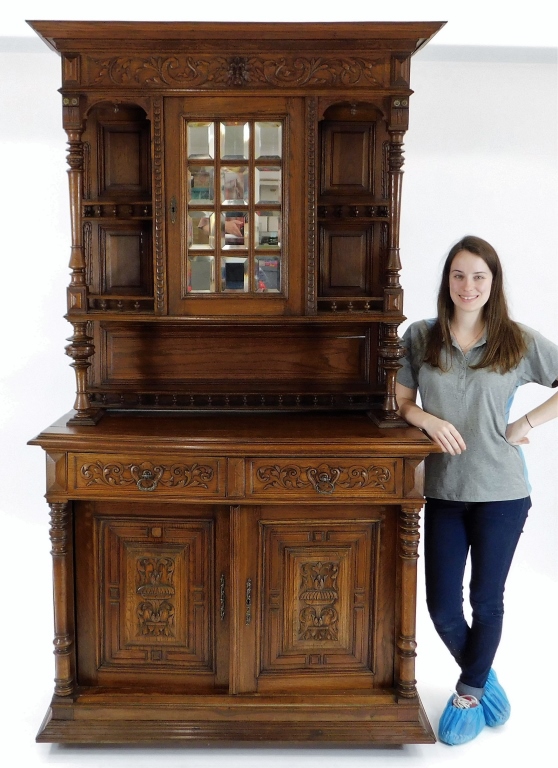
pixel 338 478
pixel 165 475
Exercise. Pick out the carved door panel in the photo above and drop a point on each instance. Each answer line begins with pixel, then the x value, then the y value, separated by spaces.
pixel 151 582
pixel 315 608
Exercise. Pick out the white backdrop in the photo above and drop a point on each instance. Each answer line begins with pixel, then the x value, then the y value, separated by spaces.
pixel 480 159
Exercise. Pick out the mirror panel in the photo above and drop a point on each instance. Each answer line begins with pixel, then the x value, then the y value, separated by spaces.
pixel 235 141
pixel 201 141
pixel 201 229
pixel 268 140
pixel 234 185
pixel 201 274
pixel 268 274
pixel 268 229
pixel 268 185
pixel 234 230
pixel 234 274
pixel 201 183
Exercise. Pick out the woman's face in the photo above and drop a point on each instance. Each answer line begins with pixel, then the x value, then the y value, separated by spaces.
pixel 470 281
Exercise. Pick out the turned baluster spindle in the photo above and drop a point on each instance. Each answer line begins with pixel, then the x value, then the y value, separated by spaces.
pixel 406 642
pixel 64 646
pixel 75 177
pixel 80 350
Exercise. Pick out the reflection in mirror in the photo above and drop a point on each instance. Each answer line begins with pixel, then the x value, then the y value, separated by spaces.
pixel 268 276
pixel 268 185
pixel 234 229
pixel 201 274
pixel 234 274
pixel 268 140
pixel 234 185
pixel 235 141
pixel 201 229
pixel 201 141
pixel 268 229
pixel 201 183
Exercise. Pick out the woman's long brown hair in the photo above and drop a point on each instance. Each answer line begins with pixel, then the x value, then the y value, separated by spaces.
pixel 505 344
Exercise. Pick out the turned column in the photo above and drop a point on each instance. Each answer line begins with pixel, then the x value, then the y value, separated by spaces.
pixel 81 347
pixel 63 579
pixel 406 642
pixel 389 348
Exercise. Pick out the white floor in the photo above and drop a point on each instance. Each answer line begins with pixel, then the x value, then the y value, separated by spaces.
pixel 527 739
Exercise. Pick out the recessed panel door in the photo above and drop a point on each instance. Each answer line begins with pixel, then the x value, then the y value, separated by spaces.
pixel 311 599
pixel 149 596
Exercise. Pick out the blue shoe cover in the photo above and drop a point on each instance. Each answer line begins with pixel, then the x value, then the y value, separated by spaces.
pixel 458 726
pixel 494 702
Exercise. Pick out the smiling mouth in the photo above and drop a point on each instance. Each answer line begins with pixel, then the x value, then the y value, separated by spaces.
pixel 468 298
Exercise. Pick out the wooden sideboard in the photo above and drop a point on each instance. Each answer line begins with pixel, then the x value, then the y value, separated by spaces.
pixel 234 500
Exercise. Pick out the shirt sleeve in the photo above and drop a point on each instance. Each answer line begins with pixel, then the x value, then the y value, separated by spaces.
pixel 540 364
pixel 407 375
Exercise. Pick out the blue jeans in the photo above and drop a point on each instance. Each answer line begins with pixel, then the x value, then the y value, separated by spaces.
pixel 490 532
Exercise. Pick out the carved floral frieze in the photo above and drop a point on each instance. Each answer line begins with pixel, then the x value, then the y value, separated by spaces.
pixel 237 71
pixel 147 476
pixel 323 478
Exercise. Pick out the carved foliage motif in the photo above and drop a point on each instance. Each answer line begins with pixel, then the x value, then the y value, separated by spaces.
pixel 147 476
pixel 323 478
pixel 319 619
pixel 154 587
pixel 237 71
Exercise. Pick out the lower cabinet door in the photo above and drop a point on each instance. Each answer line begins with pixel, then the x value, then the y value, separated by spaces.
pixel 151 585
pixel 315 599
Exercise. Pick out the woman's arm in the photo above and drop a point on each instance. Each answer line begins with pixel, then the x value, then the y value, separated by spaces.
pixel 516 432
pixel 442 432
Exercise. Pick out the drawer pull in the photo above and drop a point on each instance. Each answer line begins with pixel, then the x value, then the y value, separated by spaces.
pixel 323 482
pixel 147 480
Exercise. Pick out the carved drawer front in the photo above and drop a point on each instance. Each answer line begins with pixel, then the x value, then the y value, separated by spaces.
pixel 162 475
pixel 323 478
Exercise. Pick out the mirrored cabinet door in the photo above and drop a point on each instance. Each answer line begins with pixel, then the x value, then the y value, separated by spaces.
pixel 231 177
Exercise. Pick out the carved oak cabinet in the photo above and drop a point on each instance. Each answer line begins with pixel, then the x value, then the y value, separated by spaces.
pixel 234 500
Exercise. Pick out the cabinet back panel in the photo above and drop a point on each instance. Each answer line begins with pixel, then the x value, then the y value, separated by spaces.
pixel 122 156
pixel 173 353
pixel 347 253
pixel 348 158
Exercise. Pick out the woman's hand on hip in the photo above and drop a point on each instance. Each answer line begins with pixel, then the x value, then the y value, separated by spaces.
pixel 516 432
pixel 444 434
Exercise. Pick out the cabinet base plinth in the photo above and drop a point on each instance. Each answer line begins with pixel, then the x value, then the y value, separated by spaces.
pixel 240 720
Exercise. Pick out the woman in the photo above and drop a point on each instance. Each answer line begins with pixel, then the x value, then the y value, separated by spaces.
pixel 467 364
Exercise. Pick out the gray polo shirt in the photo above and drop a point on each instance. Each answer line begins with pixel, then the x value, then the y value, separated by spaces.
pixel 477 403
